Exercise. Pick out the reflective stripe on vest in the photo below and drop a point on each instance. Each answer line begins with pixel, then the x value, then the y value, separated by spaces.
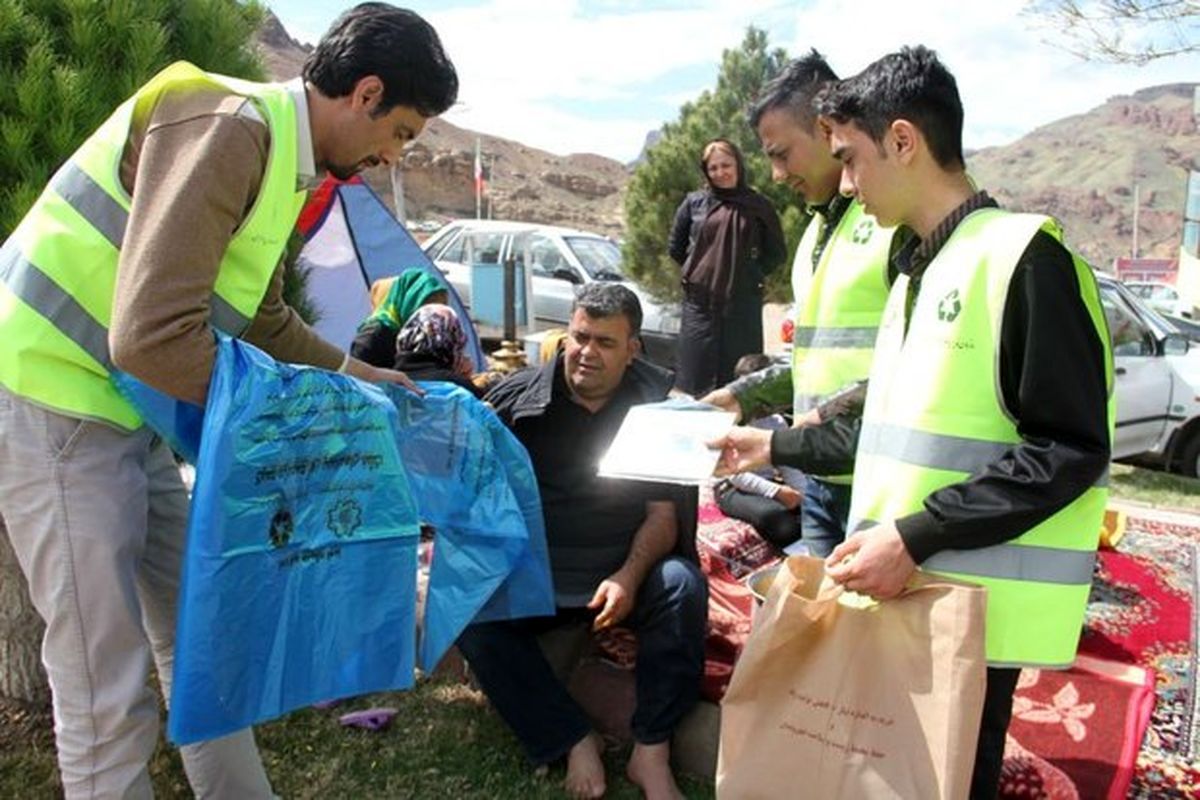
pixel 838 315
pixel 37 291
pixel 934 450
pixel 935 415
pixel 1013 562
pixel 835 338
pixel 58 268
pixel 91 202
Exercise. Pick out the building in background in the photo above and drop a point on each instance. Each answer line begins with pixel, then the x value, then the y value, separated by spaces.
pixel 1188 280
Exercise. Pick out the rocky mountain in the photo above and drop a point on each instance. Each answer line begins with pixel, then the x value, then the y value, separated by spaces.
pixel 1081 169
pixel 524 183
pixel 282 55
pixel 1084 170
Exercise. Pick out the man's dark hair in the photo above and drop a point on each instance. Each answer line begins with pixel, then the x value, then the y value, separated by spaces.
pixel 794 90
pixel 751 362
pixel 396 45
pixel 911 84
pixel 602 299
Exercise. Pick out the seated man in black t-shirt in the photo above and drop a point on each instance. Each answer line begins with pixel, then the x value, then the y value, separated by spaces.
pixel 611 546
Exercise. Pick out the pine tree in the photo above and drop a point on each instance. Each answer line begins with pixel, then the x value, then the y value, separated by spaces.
pixel 295 281
pixel 64 66
pixel 671 168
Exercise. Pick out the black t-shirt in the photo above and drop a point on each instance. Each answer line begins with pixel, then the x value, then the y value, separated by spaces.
pixel 590 521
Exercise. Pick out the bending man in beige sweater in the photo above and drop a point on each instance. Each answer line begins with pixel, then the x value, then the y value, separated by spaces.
pixel 165 224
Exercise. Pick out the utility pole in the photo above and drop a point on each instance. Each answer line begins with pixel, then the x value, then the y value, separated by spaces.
pixel 1136 202
pixel 478 181
pixel 398 192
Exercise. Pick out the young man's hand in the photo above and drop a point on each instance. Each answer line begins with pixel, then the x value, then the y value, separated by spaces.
pixel 742 449
pixel 874 562
pixel 789 497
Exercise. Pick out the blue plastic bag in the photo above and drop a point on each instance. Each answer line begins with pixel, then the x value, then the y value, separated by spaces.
pixel 299 577
pixel 474 483
pixel 177 422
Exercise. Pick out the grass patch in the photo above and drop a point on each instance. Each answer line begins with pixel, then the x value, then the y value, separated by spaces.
pixel 444 743
pixel 1155 488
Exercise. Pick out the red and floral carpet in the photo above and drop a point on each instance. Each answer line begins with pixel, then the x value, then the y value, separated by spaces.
pixel 1143 611
pixel 1124 722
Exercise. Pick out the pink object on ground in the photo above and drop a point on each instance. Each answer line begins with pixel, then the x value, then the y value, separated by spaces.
pixel 371 719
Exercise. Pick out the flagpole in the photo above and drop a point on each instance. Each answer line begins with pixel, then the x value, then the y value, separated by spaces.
pixel 478 181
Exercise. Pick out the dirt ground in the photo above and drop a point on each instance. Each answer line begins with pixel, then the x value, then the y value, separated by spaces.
pixel 23 726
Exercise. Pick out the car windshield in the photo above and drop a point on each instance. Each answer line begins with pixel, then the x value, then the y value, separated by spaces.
pixel 600 257
pixel 1157 321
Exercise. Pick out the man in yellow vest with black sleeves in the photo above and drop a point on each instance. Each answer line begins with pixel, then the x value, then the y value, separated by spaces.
pixel 988 424
pixel 840 280
pixel 987 430
pixel 167 223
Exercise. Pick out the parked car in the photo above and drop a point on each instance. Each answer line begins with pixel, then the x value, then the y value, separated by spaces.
pixel 1157 383
pixel 1162 297
pixel 1188 327
pixel 560 260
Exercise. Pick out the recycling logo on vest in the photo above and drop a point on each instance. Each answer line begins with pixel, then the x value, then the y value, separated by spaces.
pixel 863 230
pixel 949 307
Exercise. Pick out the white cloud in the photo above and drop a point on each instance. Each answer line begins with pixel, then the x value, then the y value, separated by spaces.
pixel 520 60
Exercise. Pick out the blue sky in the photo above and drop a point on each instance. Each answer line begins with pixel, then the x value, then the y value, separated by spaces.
pixel 571 76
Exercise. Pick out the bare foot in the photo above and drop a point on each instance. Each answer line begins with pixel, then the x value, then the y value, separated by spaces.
pixel 650 768
pixel 585 769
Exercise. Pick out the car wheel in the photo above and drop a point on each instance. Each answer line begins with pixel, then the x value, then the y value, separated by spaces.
pixel 1188 462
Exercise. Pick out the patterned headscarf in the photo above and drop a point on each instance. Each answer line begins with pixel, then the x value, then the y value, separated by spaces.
pixel 409 291
pixel 435 330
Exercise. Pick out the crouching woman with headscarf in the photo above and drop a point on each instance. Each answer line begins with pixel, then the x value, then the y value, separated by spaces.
pixel 375 341
pixel 433 344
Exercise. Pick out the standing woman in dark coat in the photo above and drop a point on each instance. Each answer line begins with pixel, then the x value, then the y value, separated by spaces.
pixel 727 237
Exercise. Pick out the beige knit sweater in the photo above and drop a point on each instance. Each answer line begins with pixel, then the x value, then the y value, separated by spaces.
pixel 193 169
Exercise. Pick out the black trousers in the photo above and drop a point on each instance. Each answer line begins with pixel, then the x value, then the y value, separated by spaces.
pixel 774 521
pixel 997 711
pixel 713 338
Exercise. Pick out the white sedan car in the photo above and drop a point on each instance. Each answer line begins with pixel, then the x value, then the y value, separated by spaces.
pixel 560 260
pixel 1162 297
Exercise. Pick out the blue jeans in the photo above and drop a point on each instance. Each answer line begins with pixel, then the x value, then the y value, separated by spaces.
pixel 669 617
pixel 823 515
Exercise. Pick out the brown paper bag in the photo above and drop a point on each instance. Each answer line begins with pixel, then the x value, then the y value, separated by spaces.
pixel 837 699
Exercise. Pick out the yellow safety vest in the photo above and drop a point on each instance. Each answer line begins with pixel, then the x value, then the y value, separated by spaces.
pixel 839 305
pixel 935 415
pixel 58 268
